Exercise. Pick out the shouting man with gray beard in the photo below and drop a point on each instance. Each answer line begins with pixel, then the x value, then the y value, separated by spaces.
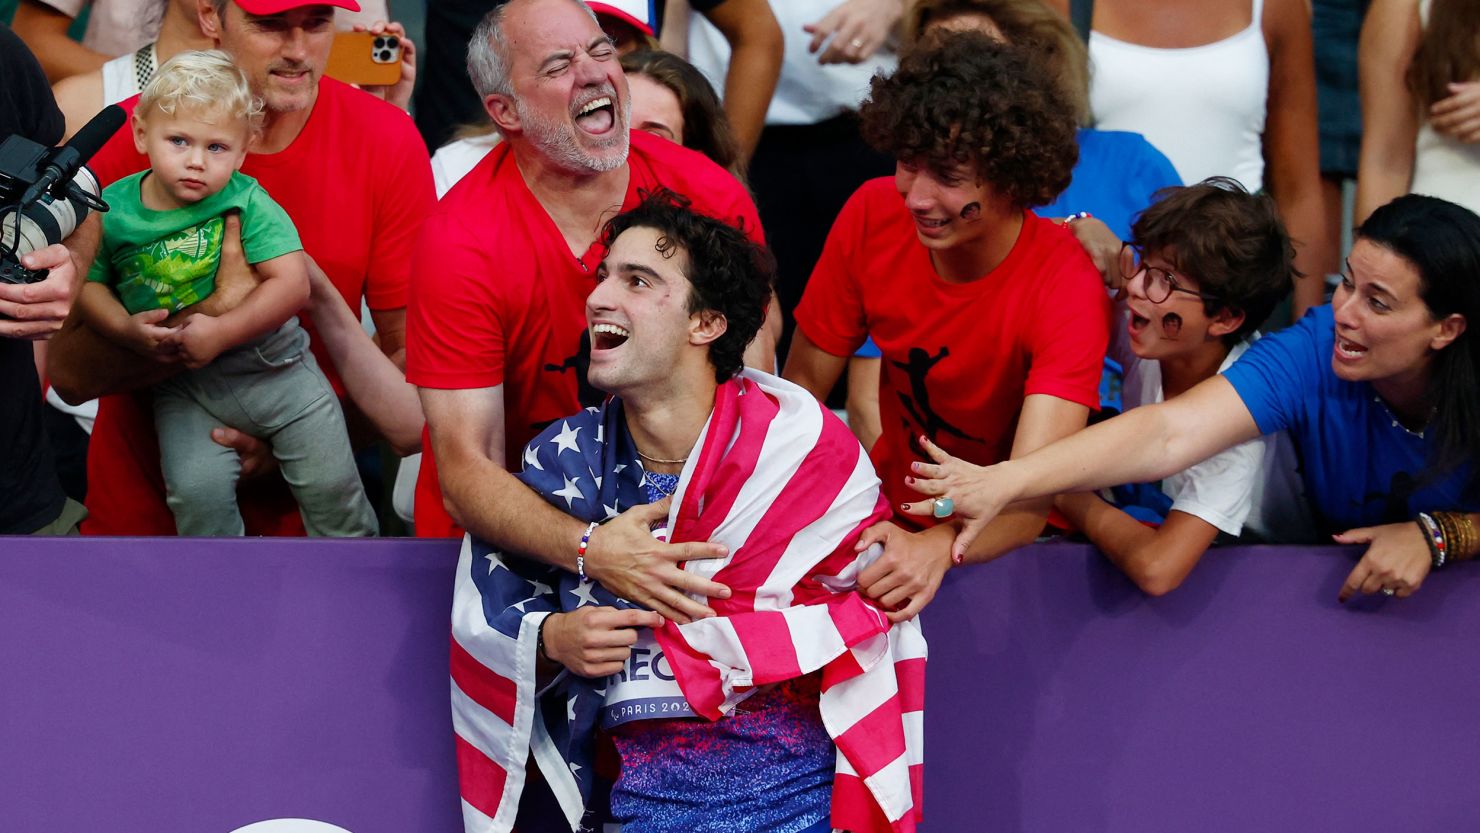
pixel 496 337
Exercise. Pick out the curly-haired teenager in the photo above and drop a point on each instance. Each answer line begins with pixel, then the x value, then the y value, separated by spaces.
pixel 992 321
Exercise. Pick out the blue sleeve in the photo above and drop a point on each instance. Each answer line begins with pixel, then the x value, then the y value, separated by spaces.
pixel 869 350
pixel 1155 170
pixel 1277 374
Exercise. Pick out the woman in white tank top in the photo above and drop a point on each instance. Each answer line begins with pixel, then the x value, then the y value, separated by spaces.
pixel 1222 87
pixel 1421 132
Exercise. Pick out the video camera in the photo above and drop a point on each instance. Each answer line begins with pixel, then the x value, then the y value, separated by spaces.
pixel 45 193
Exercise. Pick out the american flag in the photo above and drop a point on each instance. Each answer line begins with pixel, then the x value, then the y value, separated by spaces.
pixel 784 484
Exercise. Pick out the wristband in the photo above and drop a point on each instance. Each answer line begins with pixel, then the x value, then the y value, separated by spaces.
pixel 539 640
pixel 1434 537
pixel 581 550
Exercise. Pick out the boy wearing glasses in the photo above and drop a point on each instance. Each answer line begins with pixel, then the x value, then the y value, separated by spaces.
pixel 1205 265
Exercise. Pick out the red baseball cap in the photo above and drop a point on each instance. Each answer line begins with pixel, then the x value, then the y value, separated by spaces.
pixel 261 8
pixel 639 13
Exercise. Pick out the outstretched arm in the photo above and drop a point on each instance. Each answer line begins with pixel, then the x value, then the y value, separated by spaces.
pixel 905 578
pixel 372 380
pixel 1141 445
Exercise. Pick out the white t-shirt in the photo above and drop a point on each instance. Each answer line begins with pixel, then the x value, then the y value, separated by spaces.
pixel 808 92
pixel 1238 487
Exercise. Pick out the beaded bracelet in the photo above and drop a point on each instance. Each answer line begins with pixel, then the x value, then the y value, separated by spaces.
pixel 581 550
pixel 1434 537
pixel 1459 532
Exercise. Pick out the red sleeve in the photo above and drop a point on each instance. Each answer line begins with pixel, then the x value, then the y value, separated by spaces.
pixel 118 157
pixel 404 201
pixel 831 311
pixel 454 332
pixel 1069 336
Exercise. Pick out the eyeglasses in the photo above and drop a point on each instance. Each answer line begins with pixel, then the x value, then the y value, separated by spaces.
pixel 1158 283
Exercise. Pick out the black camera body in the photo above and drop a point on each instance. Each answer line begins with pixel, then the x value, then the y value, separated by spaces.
pixel 37 206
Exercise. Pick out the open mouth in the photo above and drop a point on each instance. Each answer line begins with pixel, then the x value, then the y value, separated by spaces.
pixel 1138 322
pixel 608 337
pixel 597 115
pixel 1349 349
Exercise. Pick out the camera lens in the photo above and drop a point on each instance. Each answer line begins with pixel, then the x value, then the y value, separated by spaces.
pixel 379 43
pixel 392 41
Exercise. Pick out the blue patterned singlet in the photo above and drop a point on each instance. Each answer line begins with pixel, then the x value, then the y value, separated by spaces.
pixel 768 766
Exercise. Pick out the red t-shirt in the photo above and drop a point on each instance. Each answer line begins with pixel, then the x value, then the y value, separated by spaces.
pixel 958 359
pixel 503 300
pixel 357 183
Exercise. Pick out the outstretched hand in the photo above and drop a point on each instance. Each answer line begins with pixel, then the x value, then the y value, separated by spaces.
pixel 1397 559
pixel 976 497
pixel 626 559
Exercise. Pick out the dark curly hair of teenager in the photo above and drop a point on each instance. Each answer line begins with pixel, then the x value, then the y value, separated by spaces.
pixel 962 98
pixel 730 275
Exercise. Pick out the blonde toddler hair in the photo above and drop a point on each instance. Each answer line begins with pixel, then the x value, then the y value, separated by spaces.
pixel 202 82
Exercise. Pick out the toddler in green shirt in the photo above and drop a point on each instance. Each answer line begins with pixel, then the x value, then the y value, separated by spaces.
pixel 248 368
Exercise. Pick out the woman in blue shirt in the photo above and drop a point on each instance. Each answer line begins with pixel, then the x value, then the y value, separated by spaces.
pixel 1380 391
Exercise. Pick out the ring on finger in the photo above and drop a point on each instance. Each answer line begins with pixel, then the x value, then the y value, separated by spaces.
pixel 856 43
pixel 1389 591
pixel 942 507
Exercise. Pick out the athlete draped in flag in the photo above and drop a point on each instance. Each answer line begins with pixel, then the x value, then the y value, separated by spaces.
pixel 797 707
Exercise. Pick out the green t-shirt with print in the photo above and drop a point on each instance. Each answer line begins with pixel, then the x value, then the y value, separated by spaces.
pixel 168 259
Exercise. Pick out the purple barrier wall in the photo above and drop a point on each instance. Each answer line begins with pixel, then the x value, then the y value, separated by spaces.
pixel 160 686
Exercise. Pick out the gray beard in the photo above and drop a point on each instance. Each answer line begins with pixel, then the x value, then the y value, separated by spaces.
pixel 557 141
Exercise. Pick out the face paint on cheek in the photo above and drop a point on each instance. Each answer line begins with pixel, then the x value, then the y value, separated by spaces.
pixel 1171 324
pixel 971 211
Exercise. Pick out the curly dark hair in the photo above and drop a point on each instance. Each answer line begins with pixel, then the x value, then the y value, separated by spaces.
pixel 731 276
pixel 963 97
pixel 1231 242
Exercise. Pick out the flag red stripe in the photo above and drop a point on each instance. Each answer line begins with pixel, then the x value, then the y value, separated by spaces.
pixel 844 668
pixel 807 495
pixel 480 780
pixel 720 474
pixel 769 649
pixel 856 619
pixel 854 809
pixel 910 675
pixel 876 740
pixel 483 685
pixel 699 681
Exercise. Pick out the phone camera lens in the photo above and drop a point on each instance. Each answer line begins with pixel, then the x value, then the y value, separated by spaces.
pixel 392 42
pixel 379 43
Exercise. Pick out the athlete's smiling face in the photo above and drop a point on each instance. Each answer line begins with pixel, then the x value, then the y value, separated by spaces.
pixel 644 339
